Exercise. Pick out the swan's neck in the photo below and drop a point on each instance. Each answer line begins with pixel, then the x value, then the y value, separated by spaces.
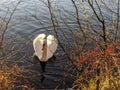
pixel 44 56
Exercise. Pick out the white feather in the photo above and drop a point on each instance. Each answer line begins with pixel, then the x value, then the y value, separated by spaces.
pixel 51 46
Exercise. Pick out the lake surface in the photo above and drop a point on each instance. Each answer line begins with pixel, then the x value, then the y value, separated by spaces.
pixel 31 18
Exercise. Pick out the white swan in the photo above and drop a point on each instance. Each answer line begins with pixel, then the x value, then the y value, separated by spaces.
pixel 45 47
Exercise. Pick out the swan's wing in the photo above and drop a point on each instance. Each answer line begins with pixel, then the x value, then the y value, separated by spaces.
pixel 52 45
pixel 38 44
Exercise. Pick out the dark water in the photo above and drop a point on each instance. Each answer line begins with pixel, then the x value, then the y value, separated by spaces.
pixel 31 18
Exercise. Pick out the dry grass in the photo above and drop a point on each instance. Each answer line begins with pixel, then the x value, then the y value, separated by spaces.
pixel 13 78
pixel 6 78
pixel 101 71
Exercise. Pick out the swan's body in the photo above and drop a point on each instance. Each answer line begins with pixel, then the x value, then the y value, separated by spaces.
pixel 45 47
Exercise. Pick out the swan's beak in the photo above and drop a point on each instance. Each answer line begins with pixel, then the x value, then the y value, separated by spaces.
pixel 43 47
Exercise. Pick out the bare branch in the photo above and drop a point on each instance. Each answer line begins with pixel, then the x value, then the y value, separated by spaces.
pixel 6 26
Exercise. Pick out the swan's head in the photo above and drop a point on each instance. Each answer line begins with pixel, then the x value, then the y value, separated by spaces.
pixel 41 36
